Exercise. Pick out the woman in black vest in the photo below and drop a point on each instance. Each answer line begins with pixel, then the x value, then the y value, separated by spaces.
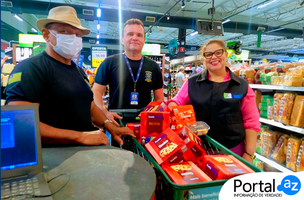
pixel 223 100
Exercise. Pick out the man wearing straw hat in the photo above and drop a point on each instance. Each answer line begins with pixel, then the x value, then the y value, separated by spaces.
pixel 53 81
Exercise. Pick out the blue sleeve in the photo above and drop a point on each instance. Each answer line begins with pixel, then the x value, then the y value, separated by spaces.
pixel 26 83
pixel 102 75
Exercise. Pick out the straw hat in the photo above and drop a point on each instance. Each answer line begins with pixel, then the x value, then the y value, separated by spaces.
pixel 62 14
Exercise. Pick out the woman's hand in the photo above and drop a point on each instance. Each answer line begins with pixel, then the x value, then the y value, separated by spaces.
pixel 171 104
pixel 247 158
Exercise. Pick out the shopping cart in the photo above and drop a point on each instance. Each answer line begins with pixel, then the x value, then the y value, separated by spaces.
pixel 167 190
pixel 129 116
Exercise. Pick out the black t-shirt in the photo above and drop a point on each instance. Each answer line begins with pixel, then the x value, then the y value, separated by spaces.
pixel 62 91
pixel 121 83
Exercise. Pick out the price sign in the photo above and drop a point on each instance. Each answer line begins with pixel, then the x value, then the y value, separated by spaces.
pixel 99 54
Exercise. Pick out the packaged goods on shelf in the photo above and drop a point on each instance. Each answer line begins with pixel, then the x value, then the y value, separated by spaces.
pixel 276 105
pixel 293 80
pixel 258 95
pixel 293 146
pixel 300 158
pixel 258 163
pixel 297 116
pixel 279 153
pixel 286 108
pixel 277 80
pixel 269 140
pixel 185 173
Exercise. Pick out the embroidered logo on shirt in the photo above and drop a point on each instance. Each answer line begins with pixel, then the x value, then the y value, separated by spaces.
pixel 148 76
pixel 232 96
pixel 13 78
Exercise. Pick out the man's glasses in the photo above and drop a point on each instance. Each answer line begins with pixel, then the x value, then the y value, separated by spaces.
pixel 217 53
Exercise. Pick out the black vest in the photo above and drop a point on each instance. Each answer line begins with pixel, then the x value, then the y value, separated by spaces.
pixel 219 105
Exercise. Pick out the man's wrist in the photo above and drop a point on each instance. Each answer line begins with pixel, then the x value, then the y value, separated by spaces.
pixel 106 124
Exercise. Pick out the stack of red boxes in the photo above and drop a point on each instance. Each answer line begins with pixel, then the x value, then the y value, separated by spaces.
pixel 181 153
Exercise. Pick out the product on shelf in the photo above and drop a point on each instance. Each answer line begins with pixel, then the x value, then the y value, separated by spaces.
pixel 276 105
pixel 300 159
pixel 297 115
pixel 279 153
pixel 277 80
pixel 293 146
pixel 269 140
pixel 293 80
pixel 286 108
pixel 258 163
pixel 258 95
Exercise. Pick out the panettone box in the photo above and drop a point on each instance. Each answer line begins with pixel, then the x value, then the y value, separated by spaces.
pixel 135 127
pixel 181 115
pixel 219 167
pixel 169 148
pixel 185 173
pixel 154 118
pixel 192 141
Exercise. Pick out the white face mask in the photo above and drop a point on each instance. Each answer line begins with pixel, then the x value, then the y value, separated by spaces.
pixel 67 45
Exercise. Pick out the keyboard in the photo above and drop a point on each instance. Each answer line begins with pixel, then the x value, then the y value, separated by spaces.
pixel 20 188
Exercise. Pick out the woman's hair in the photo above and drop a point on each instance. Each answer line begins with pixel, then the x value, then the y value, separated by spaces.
pixel 212 41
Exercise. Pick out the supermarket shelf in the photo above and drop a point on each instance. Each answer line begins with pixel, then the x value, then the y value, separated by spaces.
pixel 273 163
pixel 280 125
pixel 276 87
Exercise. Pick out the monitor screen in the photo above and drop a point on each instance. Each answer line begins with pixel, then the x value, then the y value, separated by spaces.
pixel 18 139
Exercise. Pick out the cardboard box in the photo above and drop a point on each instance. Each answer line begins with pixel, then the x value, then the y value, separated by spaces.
pixel 181 115
pixel 192 141
pixel 135 127
pixel 185 173
pixel 219 167
pixel 167 148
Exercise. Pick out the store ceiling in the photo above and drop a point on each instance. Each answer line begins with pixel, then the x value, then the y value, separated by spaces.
pixel 245 16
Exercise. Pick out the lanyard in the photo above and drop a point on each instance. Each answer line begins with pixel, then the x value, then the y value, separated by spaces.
pixel 130 70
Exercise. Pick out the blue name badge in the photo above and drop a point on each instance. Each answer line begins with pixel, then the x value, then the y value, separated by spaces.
pixel 134 98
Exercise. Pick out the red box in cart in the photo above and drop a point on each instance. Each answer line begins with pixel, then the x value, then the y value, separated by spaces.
pixel 154 122
pixel 220 167
pixel 192 141
pixel 185 173
pixel 168 148
pixel 156 106
pixel 181 115
pixel 135 127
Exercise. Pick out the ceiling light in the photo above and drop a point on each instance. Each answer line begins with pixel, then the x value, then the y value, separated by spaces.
pixel 98 12
pixel 168 17
pixel 97 42
pixel 274 30
pixel 267 3
pixel 19 18
pixel 97 36
pixel 34 30
pixel 183 4
pixel 226 21
pixel 194 33
pixel 98 26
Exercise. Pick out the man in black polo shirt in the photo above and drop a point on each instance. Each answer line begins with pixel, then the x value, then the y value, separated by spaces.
pixel 66 107
pixel 132 80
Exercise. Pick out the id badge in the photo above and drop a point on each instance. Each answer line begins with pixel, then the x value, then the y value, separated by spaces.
pixel 134 98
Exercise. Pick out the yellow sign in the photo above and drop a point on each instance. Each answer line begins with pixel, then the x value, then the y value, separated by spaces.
pixel 99 54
